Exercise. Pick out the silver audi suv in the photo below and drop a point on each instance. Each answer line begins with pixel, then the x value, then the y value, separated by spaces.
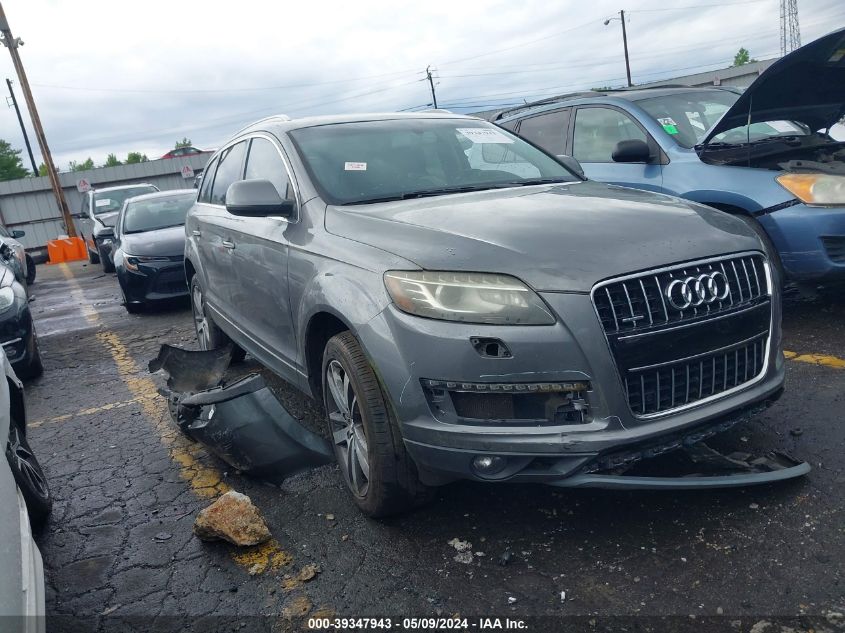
pixel 466 307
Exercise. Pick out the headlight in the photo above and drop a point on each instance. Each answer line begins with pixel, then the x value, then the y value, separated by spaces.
pixel 132 262
pixel 467 297
pixel 7 298
pixel 819 189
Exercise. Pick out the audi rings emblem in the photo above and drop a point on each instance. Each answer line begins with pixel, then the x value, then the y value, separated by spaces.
pixel 695 291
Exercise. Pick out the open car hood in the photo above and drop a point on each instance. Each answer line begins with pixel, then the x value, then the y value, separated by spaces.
pixel 807 86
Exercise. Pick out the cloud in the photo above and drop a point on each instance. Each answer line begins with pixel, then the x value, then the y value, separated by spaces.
pixel 119 76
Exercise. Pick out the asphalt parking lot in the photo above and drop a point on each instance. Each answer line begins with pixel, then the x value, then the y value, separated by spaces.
pixel 127 487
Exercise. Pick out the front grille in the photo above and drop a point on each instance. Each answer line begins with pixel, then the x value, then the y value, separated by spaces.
pixel 657 389
pixel 639 302
pixel 668 357
pixel 170 281
pixel 835 247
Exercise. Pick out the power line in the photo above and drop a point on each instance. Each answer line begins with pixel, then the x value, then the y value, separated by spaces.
pixel 697 6
pixel 219 90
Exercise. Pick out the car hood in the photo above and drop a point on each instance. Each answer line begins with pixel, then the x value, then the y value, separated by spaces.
pixel 558 237
pixel 167 242
pixel 807 85
pixel 109 219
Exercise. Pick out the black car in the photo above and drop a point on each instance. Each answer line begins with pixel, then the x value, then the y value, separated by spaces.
pixel 17 331
pixel 150 252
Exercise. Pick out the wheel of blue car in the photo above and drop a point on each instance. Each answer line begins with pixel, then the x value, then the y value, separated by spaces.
pixel 209 336
pixel 29 476
pixel 367 442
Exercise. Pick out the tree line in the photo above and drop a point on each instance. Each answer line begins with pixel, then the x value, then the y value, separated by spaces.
pixel 12 167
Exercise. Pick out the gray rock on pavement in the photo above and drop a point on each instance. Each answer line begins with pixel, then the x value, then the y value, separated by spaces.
pixel 233 518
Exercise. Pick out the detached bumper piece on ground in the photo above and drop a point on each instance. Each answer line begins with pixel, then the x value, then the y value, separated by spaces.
pixel 243 422
pixel 684 467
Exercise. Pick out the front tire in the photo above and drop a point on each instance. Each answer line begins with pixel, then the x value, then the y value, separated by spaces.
pixel 29 476
pixel 368 445
pixel 209 336
pixel 30 270
pixel 108 264
pixel 34 367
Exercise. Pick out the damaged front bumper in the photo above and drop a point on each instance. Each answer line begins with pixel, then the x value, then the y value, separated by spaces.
pixel 243 423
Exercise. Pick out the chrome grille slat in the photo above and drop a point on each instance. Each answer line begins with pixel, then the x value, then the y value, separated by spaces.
pixel 690 378
pixel 630 305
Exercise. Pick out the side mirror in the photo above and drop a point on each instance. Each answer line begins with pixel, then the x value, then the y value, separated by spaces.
pixel 258 199
pixel 572 164
pixel 18 234
pixel 631 151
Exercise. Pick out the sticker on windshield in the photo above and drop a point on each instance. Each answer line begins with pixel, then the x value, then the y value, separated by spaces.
pixel 484 135
pixel 355 166
pixel 784 127
pixel 104 202
pixel 669 125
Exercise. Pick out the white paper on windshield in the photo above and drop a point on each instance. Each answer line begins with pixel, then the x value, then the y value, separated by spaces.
pixel 783 127
pixel 355 166
pixel 694 119
pixel 102 203
pixel 484 135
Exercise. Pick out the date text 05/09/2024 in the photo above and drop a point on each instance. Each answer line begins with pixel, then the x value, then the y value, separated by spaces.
pixel 455 623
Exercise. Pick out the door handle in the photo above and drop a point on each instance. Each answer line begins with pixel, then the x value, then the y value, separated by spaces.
pixel 196 233
pixel 229 245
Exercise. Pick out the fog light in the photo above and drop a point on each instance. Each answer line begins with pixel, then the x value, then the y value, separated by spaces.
pixel 488 464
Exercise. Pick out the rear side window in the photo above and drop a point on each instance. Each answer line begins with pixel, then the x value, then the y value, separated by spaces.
pixel 598 130
pixel 264 162
pixel 547 130
pixel 228 171
pixel 207 181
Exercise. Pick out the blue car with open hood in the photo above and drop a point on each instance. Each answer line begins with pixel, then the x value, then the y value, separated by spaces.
pixel 764 155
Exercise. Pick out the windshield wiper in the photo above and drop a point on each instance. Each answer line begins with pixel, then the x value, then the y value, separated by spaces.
pixel 427 193
pixel 787 138
pixel 536 181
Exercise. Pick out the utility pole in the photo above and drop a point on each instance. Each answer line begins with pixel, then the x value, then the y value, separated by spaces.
pixel 431 83
pixel 624 43
pixel 23 129
pixel 12 44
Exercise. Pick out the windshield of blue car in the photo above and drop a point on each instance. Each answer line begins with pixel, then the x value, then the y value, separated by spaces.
pixel 156 213
pixel 687 116
pixel 110 201
pixel 372 161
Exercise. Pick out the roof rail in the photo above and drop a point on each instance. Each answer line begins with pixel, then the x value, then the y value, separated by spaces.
pixel 272 117
pixel 654 87
pixel 555 99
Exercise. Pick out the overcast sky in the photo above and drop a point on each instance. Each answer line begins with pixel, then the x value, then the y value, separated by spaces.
pixel 137 76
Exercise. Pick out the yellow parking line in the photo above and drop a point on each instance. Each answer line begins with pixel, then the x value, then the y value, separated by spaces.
pixel 205 481
pixel 816 359
pixel 83 412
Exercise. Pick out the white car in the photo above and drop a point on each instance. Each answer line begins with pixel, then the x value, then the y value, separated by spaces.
pixel 25 501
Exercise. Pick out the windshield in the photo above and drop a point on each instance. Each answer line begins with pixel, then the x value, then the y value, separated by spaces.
pixel 688 115
pixel 109 201
pixel 355 163
pixel 156 213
